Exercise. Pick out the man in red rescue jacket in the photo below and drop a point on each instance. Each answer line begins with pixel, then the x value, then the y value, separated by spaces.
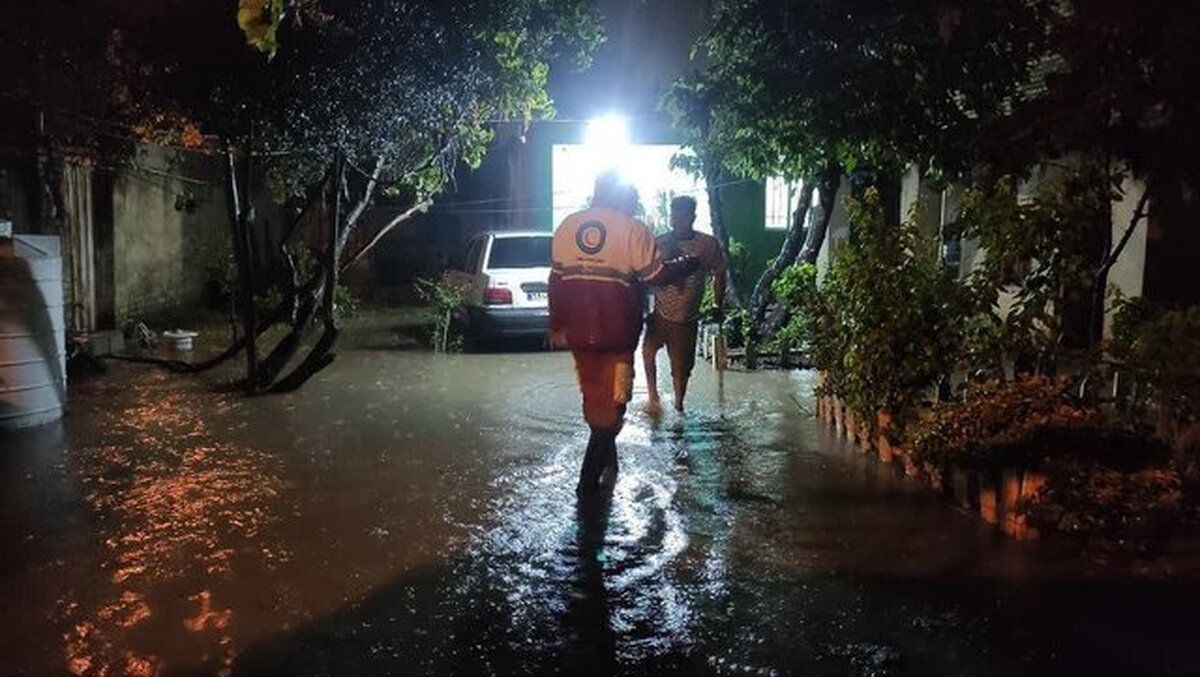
pixel 602 257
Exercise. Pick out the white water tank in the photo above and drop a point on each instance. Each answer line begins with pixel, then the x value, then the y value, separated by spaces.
pixel 33 374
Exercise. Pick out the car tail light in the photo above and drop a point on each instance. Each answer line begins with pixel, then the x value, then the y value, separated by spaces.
pixel 497 296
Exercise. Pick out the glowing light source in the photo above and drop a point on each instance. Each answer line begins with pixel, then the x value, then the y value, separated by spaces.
pixel 646 166
pixel 606 143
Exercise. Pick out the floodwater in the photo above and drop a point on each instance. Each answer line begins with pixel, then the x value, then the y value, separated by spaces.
pixel 407 513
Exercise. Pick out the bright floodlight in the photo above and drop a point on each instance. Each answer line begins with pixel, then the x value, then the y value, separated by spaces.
pixel 607 131
pixel 606 142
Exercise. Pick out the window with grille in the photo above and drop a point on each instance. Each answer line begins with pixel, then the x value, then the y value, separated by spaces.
pixel 781 198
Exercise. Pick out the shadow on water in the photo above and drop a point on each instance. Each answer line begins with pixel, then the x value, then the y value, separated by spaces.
pixel 512 345
pixel 703 562
pixel 458 618
pixel 587 621
pixel 431 622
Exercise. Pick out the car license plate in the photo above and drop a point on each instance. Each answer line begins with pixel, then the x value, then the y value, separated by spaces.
pixel 537 296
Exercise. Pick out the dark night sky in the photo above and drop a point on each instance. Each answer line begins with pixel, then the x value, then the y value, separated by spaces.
pixel 647 47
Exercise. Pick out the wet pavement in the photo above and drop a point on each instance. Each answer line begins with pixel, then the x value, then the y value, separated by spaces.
pixel 407 513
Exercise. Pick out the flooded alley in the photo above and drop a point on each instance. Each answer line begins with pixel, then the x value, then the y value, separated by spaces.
pixel 410 513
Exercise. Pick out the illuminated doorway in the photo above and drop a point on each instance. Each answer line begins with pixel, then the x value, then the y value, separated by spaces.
pixel 647 166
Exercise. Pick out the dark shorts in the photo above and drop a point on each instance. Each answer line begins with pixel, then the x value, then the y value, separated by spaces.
pixel 680 340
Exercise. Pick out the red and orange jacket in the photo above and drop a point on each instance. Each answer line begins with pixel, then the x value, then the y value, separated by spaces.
pixel 601 257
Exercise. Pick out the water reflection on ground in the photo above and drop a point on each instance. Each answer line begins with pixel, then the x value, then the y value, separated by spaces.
pixel 176 508
pixel 411 513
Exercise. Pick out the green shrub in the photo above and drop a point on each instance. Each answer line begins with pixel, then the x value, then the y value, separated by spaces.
pixel 1161 349
pixel 810 325
pixel 447 298
pixel 1039 252
pixel 345 304
pixel 888 326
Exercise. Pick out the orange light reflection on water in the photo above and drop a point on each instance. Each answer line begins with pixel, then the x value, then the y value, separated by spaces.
pixel 174 506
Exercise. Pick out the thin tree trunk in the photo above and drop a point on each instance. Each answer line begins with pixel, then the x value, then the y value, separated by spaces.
pixel 1100 284
pixel 792 242
pixel 318 359
pixel 712 180
pixel 303 296
pixel 307 298
pixel 245 271
pixel 321 354
pixel 315 195
pixel 343 231
pixel 337 240
pixel 817 219
pixel 827 187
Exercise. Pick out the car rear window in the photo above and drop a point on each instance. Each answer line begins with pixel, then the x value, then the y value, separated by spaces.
pixel 520 252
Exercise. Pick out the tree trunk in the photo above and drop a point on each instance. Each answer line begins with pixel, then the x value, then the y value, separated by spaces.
pixel 321 354
pixel 303 296
pixel 400 218
pixel 1100 283
pixel 343 231
pixel 811 221
pixel 245 272
pixel 305 300
pixel 314 196
pixel 712 180
pixel 792 242
pixel 763 293
pixel 318 359
pixel 818 225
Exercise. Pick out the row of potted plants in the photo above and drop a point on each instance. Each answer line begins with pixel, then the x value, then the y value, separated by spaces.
pixel 1029 458
pixel 1000 496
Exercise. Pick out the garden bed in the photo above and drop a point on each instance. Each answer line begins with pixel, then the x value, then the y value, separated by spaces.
pixel 1064 476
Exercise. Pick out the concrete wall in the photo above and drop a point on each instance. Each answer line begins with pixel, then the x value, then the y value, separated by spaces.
pixel 170 232
pixel 1128 274
pixel 921 202
pixel 839 228
pixel 159 230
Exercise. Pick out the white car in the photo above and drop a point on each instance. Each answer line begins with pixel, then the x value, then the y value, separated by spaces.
pixel 509 275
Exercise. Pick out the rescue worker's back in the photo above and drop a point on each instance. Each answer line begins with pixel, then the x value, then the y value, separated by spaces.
pixel 600 256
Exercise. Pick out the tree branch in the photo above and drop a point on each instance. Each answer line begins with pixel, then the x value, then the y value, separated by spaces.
pixel 1100 282
pixel 827 187
pixel 343 231
pixel 1138 214
pixel 400 218
pixel 761 296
